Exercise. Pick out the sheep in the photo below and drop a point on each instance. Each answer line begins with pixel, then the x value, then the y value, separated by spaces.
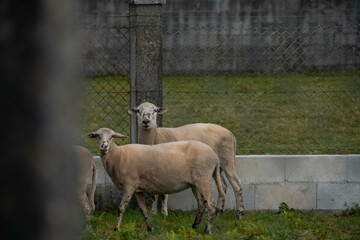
pixel 160 169
pixel 86 166
pixel 220 139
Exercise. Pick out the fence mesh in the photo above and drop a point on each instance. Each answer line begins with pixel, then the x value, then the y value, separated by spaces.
pixel 280 89
pixel 105 63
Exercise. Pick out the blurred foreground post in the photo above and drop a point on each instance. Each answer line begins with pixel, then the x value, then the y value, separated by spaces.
pixel 37 99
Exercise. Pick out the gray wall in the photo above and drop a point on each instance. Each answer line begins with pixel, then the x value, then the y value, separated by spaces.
pixel 229 37
pixel 103 33
pixel 310 182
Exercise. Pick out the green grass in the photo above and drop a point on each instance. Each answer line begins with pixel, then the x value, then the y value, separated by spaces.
pixel 293 113
pixel 255 225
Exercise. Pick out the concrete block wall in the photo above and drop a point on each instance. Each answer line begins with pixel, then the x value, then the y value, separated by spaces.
pixel 319 182
pixel 236 46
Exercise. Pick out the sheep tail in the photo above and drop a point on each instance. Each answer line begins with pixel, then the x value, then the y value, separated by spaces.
pixel 218 181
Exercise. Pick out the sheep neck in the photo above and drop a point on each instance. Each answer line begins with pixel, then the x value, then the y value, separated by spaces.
pixel 147 136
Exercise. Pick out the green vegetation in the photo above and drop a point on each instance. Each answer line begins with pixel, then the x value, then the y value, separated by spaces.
pixel 289 224
pixel 292 113
pixel 353 210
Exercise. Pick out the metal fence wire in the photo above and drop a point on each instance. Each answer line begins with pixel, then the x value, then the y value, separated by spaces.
pixel 281 89
pixel 105 63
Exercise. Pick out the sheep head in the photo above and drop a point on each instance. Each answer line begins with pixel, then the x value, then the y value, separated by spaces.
pixel 105 138
pixel 147 114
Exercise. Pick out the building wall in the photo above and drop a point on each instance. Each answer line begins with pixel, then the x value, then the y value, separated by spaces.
pixel 310 182
pixel 229 37
pixel 232 37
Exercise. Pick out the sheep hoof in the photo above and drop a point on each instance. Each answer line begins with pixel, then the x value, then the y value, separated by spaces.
pixel 115 229
pixel 239 214
pixel 207 232
pixel 149 229
pixel 219 212
pixel 195 226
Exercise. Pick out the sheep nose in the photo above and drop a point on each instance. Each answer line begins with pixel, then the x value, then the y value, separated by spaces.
pixel 146 121
pixel 104 144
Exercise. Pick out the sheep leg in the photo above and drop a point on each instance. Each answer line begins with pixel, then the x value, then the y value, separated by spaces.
pixel 123 205
pixel 221 201
pixel 201 208
pixel 141 201
pixel 236 185
pixel 164 208
pixel 86 204
pixel 210 205
pixel 154 204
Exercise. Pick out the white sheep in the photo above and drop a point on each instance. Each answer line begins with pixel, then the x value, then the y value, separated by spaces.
pixel 86 167
pixel 160 169
pixel 220 139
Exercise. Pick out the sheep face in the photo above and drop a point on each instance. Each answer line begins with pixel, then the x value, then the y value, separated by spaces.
pixel 105 138
pixel 147 114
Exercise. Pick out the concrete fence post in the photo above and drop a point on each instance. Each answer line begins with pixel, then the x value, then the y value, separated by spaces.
pixel 146 35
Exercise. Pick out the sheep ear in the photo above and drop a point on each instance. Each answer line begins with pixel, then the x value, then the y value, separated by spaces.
pixel 161 110
pixel 93 135
pixel 132 110
pixel 118 135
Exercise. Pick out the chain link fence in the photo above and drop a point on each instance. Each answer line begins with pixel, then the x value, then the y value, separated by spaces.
pixel 280 88
pixel 105 65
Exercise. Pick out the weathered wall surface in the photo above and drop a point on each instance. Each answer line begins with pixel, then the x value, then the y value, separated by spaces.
pixel 104 37
pixel 229 37
pixel 319 182
pixel 232 37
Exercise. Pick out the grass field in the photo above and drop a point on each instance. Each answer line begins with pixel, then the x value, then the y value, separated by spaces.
pixel 255 225
pixel 291 113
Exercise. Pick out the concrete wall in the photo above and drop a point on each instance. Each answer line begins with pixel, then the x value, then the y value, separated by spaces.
pixel 229 36
pixel 104 37
pixel 319 182
pixel 232 36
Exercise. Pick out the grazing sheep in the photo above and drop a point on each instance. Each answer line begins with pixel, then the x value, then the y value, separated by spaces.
pixel 221 140
pixel 160 169
pixel 86 166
